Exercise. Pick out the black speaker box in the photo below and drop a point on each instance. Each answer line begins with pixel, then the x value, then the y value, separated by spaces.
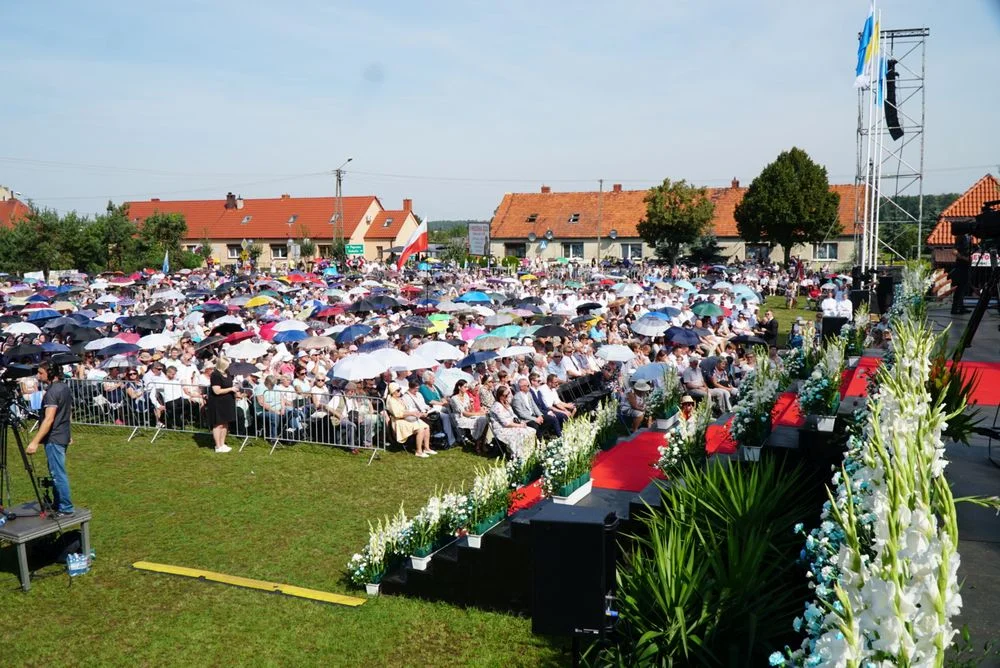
pixel 832 326
pixel 574 554
pixel 884 293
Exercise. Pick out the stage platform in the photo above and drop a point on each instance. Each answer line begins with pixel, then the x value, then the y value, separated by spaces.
pixel 28 526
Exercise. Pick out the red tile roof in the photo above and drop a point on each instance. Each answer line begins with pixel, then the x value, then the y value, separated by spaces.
pixel 621 210
pixel 967 206
pixel 268 218
pixel 378 228
pixel 11 211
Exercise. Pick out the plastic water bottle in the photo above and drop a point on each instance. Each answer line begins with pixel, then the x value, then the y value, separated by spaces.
pixel 77 564
pixel 3 519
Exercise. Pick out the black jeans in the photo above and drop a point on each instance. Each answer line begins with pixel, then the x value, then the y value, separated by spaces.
pixel 960 276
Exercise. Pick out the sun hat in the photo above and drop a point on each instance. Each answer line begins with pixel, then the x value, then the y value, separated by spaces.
pixel 642 386
pixel 687 399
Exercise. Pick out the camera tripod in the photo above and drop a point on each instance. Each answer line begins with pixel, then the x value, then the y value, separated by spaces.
pixel 11 410
pixel 989 291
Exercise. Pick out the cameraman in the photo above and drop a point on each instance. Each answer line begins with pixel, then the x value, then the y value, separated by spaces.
pixel 54 431
pixel 960 274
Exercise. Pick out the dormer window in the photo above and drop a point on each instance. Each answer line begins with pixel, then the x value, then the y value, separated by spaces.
pixel 387 223
pixel 574 218
pixel 532 218
pixel 246 219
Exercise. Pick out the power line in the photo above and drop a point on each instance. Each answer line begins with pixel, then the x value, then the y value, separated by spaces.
pixel 29 162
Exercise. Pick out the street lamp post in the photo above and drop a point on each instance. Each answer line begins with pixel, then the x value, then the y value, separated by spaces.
pixel 338 225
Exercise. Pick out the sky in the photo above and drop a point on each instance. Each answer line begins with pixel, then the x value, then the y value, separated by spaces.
pixel 454 104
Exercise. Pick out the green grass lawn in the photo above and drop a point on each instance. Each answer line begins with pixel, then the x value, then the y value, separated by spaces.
pixel 295 517
pixel 786 316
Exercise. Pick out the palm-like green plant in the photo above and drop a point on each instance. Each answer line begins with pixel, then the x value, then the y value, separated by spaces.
pixel 715 581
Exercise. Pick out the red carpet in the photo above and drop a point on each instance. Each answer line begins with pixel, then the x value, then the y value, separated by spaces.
pixel 786 411
pixel 629 465
pixel 985 393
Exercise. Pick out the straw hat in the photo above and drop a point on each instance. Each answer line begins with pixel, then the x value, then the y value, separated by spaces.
pixel 642 386
pixel 687 399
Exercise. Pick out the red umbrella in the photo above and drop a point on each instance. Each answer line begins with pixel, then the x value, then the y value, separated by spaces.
pixel 607 281
pixel 267 331
pixel 329 312
pixel 413 289
pixel 128 337
pixel 295 278
pixel 236 337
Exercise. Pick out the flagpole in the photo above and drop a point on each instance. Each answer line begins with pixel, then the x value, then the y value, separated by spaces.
pixel 872 183
pixel 879 128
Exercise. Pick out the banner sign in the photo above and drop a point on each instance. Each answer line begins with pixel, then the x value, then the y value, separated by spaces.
pixel 479 238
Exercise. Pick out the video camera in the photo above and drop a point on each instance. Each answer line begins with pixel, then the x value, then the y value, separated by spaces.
pixel 985 226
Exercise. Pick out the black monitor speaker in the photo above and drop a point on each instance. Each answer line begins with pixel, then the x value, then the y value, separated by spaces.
pixel 832 327
pixel 884 293
pixel 574 554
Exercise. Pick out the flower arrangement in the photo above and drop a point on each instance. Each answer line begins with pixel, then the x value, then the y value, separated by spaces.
pixel 523 466
pixel 820 393
pixel 438 521
pixel 488 497
pixel 606 423
pixel 751 423
pixel 388 541
pixel 883 562
pixel 665 399
pixel 569 457
pixel 855 333
pixel 685 442
pixel 799 362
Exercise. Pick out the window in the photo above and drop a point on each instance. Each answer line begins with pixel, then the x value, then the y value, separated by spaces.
pixel 246 219
pixel 758 252
pixel 632 251
pixel 324 250
pixel 573 249
pixel 825 251
pixel 233 252
pixel 515 250
pixel 574 218
pixel 279 251
pixel 293 218
pixel 532 218
pixel 192 248
pixel 387 223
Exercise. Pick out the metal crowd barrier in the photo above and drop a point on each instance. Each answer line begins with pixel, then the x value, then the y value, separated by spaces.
pixel 333 418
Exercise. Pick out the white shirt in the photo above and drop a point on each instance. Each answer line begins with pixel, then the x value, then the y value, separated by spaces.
pixel 829 307
pixel 845 309
pixel 549 396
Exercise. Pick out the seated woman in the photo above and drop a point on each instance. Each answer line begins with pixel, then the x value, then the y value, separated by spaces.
pixel 407 423
pixel 633 409
pixel 467 417
pixel 514 434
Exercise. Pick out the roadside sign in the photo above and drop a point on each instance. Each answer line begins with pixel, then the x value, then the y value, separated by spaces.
pixel 354 249
pixel 479 238
pixel 244 244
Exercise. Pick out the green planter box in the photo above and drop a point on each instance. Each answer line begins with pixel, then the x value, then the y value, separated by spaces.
pixel 574 485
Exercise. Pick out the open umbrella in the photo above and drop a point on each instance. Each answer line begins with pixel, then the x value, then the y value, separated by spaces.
pixel 227 328
pixel 120 348
pixel 120 362
pixel 317 343
pixel 477 357
pixel 391 357
pixel 649 325
pixel 652 372
pixel 516 351
pixel 749 340
pixel 351 334
pixel 615 353
pixel 243 369
pixel 499 320
pixel 104 342
pixel 236 337
pixel 154 341
pixel 507 331
pixel 471 332
pixel 439 350
pixel 246 350
pixel 289 335
pixel 259 300
pixel 474 297
pixel 552 330
pixel 408 330
pixel 708 309
pixel 24 350
pixel 208 342
pixel 358 367
pixel 446 379
pixel 19 328
pixel 489 342
pixel 286 325
pixel 371 346
pixel 680 336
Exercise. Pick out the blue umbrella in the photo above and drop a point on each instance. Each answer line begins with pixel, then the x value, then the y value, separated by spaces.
pixel 659 315
pixel 118 349
pixel 42 314
pixel 687 285
pixel 653 372
pixel 474 297
pixel 38 298
pixel 352 333
pixel 424 266
pixel 506 331
pixel 428 302
pixel 211 308
pixel 668 311
pixel 330 271
pixel 680 336
pixel 50 347
pixel 372 346
pixel 289 335
pixel 475 358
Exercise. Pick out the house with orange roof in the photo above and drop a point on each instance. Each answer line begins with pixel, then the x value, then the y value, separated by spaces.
pixel 941 241
pixel 11 208
pixel 583 225
pixel 280 224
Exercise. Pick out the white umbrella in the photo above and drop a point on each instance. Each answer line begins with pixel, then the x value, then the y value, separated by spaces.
pixel 482 310
pixel 371 284
pixel 487 342
pixel 194 317
pixel 450 307
pixel 286 325
pixel 630 290
pixel 226 319
pixel 169 294
pixel 615 353
pixel 108 299
pixel 564 309
pixel 445 380
pixel 652 372
pixel 246 350
pixel 154 341
pixel 499 320
pixel 415 362
pixel 439 350
pixel 120 362
pixel 28 328
pixel 108 317
pixel 358 367
pixel 516 351
pixel 391 357
pixel 650 326
pixel 99 344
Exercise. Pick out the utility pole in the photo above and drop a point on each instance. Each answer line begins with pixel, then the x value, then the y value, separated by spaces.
pixel 600 203
pixel 338 217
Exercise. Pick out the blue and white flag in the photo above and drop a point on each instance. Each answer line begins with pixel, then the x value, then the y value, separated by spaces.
pixel 867 50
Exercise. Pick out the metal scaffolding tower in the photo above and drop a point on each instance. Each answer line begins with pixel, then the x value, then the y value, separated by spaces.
pixel 889 169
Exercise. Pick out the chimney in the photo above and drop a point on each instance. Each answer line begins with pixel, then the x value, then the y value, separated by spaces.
pixel 285 196
pixel 616 188
pixel 735 183
pixel 230 201
pixel 154 199
pixel 546 190
pixel 407 204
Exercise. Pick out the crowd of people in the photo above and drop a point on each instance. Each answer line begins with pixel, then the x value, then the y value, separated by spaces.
pixel 436 358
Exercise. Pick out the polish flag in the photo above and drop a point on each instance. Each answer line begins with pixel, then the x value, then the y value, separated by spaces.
pixel 416 244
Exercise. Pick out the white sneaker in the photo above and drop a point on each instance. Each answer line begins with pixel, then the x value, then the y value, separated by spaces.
pixel 423 455
pixel 224 448
pixel 431 452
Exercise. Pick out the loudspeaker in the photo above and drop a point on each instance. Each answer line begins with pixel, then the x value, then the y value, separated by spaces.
pixel 574 554
pixel 891 110
pixel 831 327
pixel 858 297
pixel 884 293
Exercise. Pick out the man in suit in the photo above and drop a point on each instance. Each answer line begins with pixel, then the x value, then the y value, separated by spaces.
pixel 960 274
pixel 767 329
pixel 525 408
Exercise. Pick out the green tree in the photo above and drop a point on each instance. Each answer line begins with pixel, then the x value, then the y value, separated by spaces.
pixel 307 248
pixel 164 230
pixel 204 250
pixel 116 235
pixel 789 203
pixel 676 214
pixel 454 250
pixel 705 250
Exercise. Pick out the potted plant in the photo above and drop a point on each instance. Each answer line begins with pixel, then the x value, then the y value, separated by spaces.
pixel 855 335
pixel 566 463
pixel 387 541
pixel 435 526
pixel 819 395
pixel 751 424
pixel 685 442
pixel 664 401
pixel 487 502
pixel 524 466
pixel 606 425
